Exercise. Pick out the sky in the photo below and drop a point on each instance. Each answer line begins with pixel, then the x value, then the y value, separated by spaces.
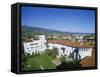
pixel 67 20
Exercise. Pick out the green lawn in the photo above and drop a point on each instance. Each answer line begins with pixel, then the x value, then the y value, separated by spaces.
pixel 39 62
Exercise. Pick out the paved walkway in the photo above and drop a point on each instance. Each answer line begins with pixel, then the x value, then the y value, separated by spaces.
pixel 56 62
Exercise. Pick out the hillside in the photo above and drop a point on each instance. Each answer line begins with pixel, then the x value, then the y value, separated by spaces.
pixel 38 30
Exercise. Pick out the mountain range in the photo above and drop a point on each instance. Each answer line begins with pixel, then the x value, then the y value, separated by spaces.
pixel 25 28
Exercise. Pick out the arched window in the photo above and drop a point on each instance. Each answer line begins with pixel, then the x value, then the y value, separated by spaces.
pixel 63 49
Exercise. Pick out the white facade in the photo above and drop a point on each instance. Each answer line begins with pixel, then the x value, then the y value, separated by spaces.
pixel 82 52
pixel 66 52
pixel 36 46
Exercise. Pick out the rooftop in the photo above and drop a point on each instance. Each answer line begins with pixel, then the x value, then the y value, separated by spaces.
pixel 88 61
pixel 70 43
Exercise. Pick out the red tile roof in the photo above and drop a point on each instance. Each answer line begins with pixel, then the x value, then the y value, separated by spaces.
pixel 70 43
pixel 88 61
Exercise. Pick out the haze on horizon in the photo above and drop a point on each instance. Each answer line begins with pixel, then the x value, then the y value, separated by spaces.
pixel 65 20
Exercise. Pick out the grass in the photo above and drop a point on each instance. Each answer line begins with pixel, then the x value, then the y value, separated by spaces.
pixel 38 62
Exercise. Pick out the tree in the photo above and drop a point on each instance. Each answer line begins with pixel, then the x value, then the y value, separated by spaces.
pixel 55 51
pixel 70 64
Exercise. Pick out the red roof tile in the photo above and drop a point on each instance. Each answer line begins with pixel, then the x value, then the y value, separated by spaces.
pixel 69 43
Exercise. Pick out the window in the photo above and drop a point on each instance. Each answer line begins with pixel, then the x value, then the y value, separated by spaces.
pixel 63 51
pixel 81 49
pixel 34 44
pixel 31 47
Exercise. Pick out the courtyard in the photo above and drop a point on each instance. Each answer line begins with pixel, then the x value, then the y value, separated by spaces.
pixel 42 61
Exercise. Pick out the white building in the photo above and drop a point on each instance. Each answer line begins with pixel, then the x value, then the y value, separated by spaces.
pixel 65 48
pixel 36 46
pixel 76 50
